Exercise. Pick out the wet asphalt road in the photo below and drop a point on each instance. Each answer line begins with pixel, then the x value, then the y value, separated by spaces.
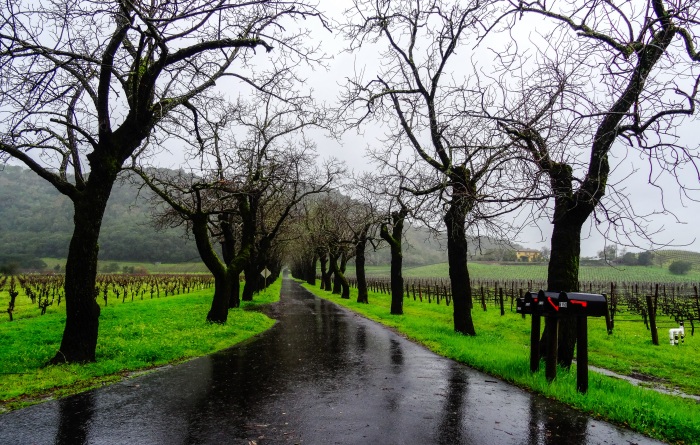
pixel 322 375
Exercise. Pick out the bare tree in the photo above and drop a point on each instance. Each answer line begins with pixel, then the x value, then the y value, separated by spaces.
pixel 364 188
pixel 253 165
pixel 616 73
pixel 394 238
pixel 391 205
pixel 207 207
pixel 344 222
pixel 419 94
pixel 83 84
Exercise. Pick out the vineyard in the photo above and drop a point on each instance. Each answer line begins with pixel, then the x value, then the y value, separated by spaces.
pixel 533 271
pixel 665 257
pixel 627 302
pixel 35 295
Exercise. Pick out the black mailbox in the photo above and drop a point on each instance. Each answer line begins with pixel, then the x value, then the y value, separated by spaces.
pixel 551 303
pixel 526 304
pixel 588 305
pixel 555 306
pixel 571 304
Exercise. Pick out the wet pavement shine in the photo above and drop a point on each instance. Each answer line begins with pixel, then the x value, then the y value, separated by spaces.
pixel 321 375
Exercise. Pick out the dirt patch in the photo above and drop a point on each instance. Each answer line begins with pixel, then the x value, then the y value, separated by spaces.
pixel 647 378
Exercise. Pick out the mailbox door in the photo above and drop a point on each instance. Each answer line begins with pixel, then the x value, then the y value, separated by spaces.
pixel 589 305
pixel 527 304
pixel 550 304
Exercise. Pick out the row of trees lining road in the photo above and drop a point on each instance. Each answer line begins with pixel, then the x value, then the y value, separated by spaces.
pixel 254 168
pixel 413 93
pixel 85 85
pixel 478 124
pixel 528 127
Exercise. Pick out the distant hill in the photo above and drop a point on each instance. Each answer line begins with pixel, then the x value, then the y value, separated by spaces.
pixel 422 247
pixel 36 221
pixel 666 257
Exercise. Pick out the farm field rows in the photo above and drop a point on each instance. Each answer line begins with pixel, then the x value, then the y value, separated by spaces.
pixel 495 271
pixel 134 335
pixel 43 294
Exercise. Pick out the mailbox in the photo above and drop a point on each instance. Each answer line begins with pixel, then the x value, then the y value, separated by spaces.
pixel 555 306
pixel 552 303
pixel 543 303
pixel 585 305
pixel 562 304
pixel 526 304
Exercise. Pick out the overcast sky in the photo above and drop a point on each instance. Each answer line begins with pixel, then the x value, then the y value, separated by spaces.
pixel 681 230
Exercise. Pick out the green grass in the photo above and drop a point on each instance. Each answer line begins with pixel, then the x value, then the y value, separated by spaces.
pixel 501 349
pixel 133 336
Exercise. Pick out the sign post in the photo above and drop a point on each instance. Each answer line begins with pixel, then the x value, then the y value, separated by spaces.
pixel 265 273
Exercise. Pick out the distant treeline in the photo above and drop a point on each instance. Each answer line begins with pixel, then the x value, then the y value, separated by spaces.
pixel 36 221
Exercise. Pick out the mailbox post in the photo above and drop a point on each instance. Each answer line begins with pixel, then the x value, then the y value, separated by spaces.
pixel 553 306
pixel 528 305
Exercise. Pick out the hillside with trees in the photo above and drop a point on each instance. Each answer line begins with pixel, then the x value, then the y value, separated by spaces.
pixel 35 222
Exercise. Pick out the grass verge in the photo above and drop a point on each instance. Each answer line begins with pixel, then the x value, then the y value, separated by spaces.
pixel 501 349
pixel 137 336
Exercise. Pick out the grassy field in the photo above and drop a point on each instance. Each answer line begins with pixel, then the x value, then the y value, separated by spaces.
pixel 495 271
pixel 667 256
pixel 501 349
pixel 133 336
pixel 477 270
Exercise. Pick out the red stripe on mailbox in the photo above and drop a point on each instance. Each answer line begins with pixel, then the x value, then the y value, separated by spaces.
pixel 556 307
pixel 582 303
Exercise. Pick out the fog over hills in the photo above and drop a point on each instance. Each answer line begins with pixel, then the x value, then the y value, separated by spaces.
pixel 35 222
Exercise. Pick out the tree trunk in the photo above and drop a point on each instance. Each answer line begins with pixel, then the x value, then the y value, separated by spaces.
pixel 336 273
pixel 455 220
pixel 231 274
pixel 344 283
pixel 362 295
pixel 562 276
pixel 251 281
pixel 311 271
pixel 396 282
pixel 325 273
pixel 394 241
pixel 337 285
pixel 341 286
pixel 218 313
pixel 562 272
pixel 79 340
pixel 235 294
